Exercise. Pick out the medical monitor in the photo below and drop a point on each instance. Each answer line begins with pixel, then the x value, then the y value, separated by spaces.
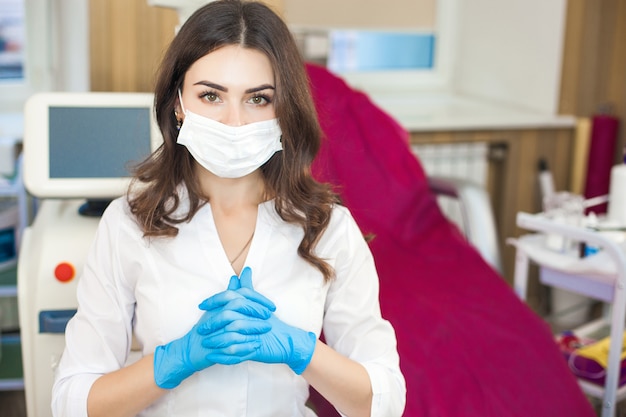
pixel 82 145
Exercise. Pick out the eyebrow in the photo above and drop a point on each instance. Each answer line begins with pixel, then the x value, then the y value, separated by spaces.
pixel 224 89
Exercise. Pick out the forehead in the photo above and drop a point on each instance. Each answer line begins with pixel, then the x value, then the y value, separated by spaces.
pixel 232 66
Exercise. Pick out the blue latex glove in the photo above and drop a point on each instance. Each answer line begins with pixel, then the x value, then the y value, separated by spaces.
pixel 282 344
pixel 229 313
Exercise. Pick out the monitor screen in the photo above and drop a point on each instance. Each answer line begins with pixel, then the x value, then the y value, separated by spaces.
pixel 83 145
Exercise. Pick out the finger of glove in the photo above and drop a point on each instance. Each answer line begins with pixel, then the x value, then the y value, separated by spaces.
pixel 233 321
pixel 238 309
pixel 234 284
pixel 211 322
pixel 245 278
pixel 219 300
pixel 247 289
pixel 248 307
pixel 249 326
pixel 252 295
pixel 236 354
pixel 228 340
pixel 231 353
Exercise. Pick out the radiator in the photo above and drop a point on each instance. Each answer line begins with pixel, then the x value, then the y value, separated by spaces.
pixel 457 160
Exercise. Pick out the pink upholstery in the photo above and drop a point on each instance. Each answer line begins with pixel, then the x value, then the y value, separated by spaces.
pixel 468 346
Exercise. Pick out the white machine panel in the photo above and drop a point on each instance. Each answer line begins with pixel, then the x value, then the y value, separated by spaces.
pixel 52 255
pixel 78 148
pixel 79 145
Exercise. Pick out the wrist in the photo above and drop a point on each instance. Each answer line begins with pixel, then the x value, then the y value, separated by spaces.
pixel 169 368
pixel 303 352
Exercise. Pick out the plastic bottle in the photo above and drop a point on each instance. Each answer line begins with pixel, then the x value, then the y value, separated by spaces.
pixel 617 195
pixel 546 182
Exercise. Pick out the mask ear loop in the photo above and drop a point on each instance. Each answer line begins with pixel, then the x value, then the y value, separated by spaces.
pixel 180 100
pixel 179 122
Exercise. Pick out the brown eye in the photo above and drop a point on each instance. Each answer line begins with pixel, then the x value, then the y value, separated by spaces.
pixel 210 97
pixel 260 100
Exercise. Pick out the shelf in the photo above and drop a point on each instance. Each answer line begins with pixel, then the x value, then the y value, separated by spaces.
pixel 601 276
pixel 597 329
pixel 8 280
pixel 11 372
pixel 597 391
pixel 8 189
pixel 597 265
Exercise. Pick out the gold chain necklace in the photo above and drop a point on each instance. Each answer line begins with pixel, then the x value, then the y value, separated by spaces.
pixel 242 250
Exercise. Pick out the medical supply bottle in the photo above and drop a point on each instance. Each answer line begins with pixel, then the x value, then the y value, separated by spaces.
pixel 546 182
pixel 617 194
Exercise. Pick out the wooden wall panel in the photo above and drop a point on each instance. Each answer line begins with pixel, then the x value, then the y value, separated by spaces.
pixel 127 40
pixel 101 73
pixel 594 61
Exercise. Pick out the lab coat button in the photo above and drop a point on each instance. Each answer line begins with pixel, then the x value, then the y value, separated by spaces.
pixel 64 272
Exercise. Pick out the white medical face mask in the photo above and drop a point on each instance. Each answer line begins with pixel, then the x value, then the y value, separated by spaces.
pixel 229 151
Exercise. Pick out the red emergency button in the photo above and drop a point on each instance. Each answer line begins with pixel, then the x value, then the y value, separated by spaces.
pixel 64 272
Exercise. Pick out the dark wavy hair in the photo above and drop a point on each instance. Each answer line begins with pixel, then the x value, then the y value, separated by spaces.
pixel 299 198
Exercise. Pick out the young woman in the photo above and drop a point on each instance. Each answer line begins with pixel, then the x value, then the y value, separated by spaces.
pixel 226 260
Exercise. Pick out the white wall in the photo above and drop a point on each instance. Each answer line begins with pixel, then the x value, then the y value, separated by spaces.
pixel 70 21
pixel 510 51
pixel 57 55
pixel 505 51
pixel 399 14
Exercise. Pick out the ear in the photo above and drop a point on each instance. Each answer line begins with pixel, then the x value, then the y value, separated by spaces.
pixel 180 117
pixel 178 112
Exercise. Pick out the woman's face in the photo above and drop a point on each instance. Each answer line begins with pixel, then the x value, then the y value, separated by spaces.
pixel 232 85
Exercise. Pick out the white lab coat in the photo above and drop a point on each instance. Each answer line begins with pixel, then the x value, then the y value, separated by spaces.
pixel 151 289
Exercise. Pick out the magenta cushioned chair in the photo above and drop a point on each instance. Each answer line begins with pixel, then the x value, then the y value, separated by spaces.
pixel 468 346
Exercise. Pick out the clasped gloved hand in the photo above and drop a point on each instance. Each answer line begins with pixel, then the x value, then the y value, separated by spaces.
pixel 281 344
pixel 230 313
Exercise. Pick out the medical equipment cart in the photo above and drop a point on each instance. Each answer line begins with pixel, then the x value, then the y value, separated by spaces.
pixel 601 276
